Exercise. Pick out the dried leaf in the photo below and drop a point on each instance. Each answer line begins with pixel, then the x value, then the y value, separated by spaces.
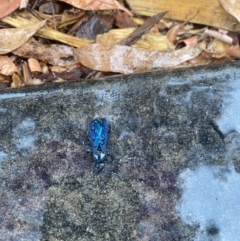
pixel 210 12
pixel 154 41
pixel 208 61
pixel 97 5
pixel 55 54
pixel 124 59
pixel 232 7
pixel 45 31
pixel 8 6
pixel 23 4
pixel 150 40
pixel 190 41
pixel 13 38
pixel 202 59
pixel 216 48
pixel 219 35
pixel 7 67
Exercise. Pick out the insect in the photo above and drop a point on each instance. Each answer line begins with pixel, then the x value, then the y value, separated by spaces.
pixel 98 131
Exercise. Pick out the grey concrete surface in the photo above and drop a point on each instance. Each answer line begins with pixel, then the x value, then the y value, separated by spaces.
pixel 174 144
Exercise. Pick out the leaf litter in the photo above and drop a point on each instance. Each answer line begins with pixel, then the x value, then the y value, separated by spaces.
pixel 55 41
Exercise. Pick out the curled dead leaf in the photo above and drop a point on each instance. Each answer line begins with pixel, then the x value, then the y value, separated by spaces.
pixel 192 41
pixel 125 59
pixel 219 35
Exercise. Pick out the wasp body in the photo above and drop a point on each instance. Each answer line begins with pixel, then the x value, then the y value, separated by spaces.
pixel 98 131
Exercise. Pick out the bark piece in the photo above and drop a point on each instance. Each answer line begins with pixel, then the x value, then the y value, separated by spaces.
pixel 137 34
pixel 94 25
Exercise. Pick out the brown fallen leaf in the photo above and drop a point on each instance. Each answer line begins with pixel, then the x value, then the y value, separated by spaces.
pixel 97 5
pixel 232 7
pixel 125 59
pixel 7 67
pixel 55 54
pixel 13 38
pixel 193 41
pixel 8 6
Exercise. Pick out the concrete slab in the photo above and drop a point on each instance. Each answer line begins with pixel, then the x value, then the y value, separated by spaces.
pixel 174 144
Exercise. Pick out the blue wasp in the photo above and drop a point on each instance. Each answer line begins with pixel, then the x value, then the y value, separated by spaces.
pixel 98 131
